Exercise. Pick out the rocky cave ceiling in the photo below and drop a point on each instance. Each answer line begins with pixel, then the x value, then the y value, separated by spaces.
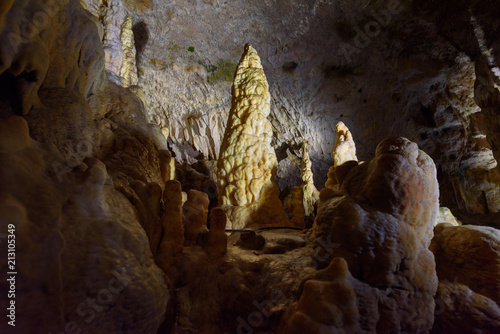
pixel 127 195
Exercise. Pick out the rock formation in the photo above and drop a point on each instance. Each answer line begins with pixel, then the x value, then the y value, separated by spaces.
pixel 468 267
pixel 345 149
pixel 310 193
pixel 217 238
pixel 106 188
pixel 247 162
pixel 298 211
pixel 327 303
pixel 446 217
pixel 112 15
pixel 343 152
pixel 195 211
pixel 128 71
pixel 84 223
pixel 380 222
pixel 170 248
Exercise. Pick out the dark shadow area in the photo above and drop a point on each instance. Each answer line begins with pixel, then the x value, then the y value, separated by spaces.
pixel 141 38
pixel 9 101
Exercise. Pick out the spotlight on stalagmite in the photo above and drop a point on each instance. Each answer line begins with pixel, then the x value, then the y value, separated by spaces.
pixel 247 163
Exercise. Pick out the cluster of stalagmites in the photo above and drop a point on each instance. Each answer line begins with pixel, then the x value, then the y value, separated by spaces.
pixel 90 187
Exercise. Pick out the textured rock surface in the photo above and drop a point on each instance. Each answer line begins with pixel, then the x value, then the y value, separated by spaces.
pixel 381 223
pixel 217 238
pixel 327 304
pixel 309 190
pixel 468 267
pixel 469 255
pixel 412 76
pixel 128 71
pixel 344 151
pixel 446 217
pixel 170 248
pixel 461 310
pixel 195 212
pixel 247 162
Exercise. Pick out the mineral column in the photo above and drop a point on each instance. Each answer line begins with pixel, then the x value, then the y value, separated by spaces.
pixel 311 194
pixel 247 162
pixel 129 68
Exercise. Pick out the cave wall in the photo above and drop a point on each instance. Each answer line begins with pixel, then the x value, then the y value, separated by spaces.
pixel 76 151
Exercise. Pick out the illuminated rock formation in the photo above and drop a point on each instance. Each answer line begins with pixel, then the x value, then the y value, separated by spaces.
pixel 79 179
pixel 128 71
pixel 298 211
pixel 247 162
pixel 380 221
pixel 87 180
pixel 344 151
pixel 328 302
pixel 310 193
pixel 112 15
pixel 446 217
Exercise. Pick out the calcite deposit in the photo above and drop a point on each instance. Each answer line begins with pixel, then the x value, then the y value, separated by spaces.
pixel 344 156
pixel 83 223
pixel 195 211
pixel 468 267
pixel 309 190
pixel 112 15
pixel 217 238
pixel 247 162
pixel 380 222
pixel 128 71
pixel 170 248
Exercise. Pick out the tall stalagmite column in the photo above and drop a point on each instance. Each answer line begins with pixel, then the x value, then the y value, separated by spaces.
pixel 247 162
pixel 128 71
pixel 311 194
pixel 112 14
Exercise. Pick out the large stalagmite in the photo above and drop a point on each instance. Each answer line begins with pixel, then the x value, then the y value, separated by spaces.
pixel 247 162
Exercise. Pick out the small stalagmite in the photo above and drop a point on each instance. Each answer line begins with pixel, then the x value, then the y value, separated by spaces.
pixel 195 215
pixel 112 14
pixel 247 163
pixel 298 214
pixel 171 245
pixel 217 238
